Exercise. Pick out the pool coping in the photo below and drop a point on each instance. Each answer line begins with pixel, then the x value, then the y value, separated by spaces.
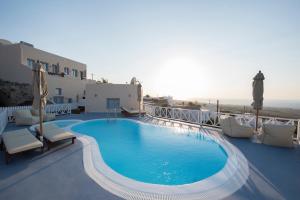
pixel 32 127
pixel 225 182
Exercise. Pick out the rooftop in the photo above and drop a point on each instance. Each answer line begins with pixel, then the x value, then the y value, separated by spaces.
pixel 59 173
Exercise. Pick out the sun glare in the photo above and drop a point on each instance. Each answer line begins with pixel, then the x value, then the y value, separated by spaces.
pixel 181 77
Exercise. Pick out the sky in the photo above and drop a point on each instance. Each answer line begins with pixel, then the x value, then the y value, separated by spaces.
pixel 186 49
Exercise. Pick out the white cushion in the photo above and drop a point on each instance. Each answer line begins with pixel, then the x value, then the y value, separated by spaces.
pixel 278 135
pixel 232 128
pixel 24 117
pixel 20 140
pixel 57 134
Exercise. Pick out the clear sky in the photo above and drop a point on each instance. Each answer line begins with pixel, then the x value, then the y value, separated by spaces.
pixel 205 49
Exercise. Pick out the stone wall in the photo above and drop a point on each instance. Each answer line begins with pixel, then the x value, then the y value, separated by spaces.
pixel 14 94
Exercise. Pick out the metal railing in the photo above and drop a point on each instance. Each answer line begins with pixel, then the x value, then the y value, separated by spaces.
pixel 210 118
pixel 57 109
pixel 3 120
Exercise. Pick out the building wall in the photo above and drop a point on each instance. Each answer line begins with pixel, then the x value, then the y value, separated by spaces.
pixel 51 59
pixel 71 88
pixel 96 95
pixel 13 68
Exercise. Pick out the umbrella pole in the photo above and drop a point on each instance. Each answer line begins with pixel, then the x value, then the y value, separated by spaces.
pixel 40 111
pixel 256 124
pixel 139 109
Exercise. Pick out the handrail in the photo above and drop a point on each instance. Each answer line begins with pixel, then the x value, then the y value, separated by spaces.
pixel 210 118
pixel 3 120
pixel 57 109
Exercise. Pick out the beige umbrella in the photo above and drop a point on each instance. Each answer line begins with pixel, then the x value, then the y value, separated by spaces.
pixel 258 94
pixel 40 91
pixel 140 95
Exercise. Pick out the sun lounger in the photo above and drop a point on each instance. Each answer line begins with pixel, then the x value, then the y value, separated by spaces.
pixel 277 135
pixel 232 128
pixel 53 134
pixel 25 117
pixel 131 112
pixel 19 141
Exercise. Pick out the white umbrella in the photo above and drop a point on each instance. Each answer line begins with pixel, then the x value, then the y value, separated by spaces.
pixel 40 91
pixel 140 95
pixel 258 94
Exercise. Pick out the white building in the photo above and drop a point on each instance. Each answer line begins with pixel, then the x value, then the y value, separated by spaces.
pixel 106 97
pixel 66 78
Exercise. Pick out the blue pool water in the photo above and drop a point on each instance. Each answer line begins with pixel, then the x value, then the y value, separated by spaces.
pixel 65 123
pixel 155 154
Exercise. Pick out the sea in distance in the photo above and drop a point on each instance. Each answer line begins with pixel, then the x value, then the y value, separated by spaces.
pixel 294 104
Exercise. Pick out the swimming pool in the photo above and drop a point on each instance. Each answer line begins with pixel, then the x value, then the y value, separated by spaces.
pixel 154 154
pixel 134 160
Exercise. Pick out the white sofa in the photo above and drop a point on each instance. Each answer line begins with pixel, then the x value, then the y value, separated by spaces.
pixel 30 117
pixel 46 116
pixel 25 117
pixel 232 128
pixel 277 135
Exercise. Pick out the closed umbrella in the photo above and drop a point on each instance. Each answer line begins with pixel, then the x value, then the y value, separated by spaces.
pixel 40 91
pixel 258 94
pixel 139 94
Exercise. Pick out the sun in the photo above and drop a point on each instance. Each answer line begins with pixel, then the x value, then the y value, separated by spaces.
pixel 181 77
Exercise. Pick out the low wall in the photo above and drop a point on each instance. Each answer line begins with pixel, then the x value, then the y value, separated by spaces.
pixel 3 120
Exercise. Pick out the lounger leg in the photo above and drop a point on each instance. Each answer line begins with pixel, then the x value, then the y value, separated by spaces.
pixel 48 145
pixel 7 157
pixel 1 146
pixel 73 140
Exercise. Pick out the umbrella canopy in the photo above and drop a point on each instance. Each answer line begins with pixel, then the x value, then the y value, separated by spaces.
pixel 140 95
pixel 139 92
pixel 40 90
pixel 258 91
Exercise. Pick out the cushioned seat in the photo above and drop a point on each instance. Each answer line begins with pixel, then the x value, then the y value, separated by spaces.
pixel 277 135
pixel 46 116
pixel 25 117
pixel 55 135
pixel 18 141
pixel 232 128
pixel 52 133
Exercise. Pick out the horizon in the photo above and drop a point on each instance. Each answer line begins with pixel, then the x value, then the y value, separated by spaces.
pixel 190 49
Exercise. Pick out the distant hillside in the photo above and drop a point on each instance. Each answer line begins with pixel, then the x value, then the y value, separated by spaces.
pixel 13 94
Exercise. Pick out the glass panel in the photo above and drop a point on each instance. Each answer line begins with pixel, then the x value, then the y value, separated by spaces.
pixel 58 91
pixel 113 103
pixel 66 70
pixel 30 62
pixel 58 99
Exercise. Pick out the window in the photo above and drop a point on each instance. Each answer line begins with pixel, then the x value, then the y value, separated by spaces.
pixel 74 72
pixel 70 100
pixel 83 75
pixel 67 71
pixel 55 69
pixel 113 103
pixel 58 99
pixel 58 91
pixel 30 62
pixel 45 65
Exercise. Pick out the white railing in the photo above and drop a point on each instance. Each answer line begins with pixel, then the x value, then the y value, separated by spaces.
pixel 183 115
pixel 3 120
pixel 205 117
pixel 58 109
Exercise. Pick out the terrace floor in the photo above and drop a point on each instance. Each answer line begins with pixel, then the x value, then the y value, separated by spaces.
pixel 59 173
